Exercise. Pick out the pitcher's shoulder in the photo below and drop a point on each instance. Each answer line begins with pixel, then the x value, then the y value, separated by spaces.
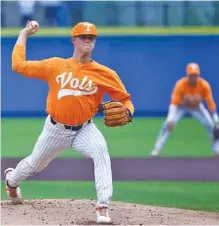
pixel 104 68
pixel 57 62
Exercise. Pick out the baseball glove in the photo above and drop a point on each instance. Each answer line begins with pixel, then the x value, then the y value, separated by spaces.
pixel 216 131
pixel 115 113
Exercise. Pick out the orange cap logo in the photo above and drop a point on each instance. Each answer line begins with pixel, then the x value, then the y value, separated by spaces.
pixel 84 28
pixel 192 69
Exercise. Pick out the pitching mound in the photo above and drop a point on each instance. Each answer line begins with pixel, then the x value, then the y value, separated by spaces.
pixel 81 212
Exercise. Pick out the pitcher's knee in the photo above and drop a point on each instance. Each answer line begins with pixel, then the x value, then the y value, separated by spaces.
pixel 32 168
pixel 101 157
pixel 101 148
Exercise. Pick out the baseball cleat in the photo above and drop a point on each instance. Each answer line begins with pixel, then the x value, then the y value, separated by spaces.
pixel 155 152
pixel 14 194
pixel 103 215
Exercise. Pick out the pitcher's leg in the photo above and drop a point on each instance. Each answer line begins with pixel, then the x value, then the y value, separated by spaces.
pixel 51 142
pixel 90 142
pixel 165 131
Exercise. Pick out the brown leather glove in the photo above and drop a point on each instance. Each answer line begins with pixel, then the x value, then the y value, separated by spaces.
pixel 115 113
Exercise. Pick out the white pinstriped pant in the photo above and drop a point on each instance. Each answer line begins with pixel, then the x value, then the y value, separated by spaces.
pixel 53 140
pixel 201 114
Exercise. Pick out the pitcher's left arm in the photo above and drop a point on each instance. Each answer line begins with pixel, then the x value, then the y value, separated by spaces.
pixel 118 92
pixel 119 111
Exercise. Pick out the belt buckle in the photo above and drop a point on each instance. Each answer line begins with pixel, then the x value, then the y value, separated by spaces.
pixel 74 128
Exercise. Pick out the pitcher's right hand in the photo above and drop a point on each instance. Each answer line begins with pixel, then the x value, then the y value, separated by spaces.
pixel 31 28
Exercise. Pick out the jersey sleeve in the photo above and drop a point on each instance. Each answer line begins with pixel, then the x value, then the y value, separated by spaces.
pixel 34 69
pixel 177 94
pixel 117 91
pixel 209 97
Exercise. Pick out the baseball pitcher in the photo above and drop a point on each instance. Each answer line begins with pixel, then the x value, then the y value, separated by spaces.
pixel 187 97
pixel 76 88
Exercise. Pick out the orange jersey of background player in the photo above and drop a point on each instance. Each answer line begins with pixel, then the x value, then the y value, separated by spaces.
pixel 75 89
pixel 200 91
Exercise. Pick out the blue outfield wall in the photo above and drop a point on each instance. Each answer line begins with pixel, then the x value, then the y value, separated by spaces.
pixel 148 65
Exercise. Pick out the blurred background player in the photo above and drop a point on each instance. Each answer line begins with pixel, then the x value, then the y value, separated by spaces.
pixel 51 12
pixel 187 97
pixel 27 9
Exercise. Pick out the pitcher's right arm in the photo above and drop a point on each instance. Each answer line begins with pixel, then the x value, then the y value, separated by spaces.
pixel 35 69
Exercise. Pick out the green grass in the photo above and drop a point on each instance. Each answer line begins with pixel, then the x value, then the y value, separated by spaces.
pixel 189 139
pixel 188 195
pixel 121 31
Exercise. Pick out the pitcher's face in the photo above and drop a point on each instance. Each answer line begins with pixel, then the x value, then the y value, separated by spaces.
pixel 84 43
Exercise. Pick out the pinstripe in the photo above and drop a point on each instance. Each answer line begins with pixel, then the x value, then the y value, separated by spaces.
pixel 91 142
pixel 52 142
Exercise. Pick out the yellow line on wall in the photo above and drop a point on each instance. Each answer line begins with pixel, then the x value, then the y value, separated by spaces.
pixel 7 32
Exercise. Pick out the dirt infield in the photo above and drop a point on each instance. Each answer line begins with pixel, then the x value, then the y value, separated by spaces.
pixel 81 212
pixel 129 169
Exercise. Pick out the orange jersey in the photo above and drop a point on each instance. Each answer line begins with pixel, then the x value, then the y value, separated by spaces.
pixel 75 89
pixel 202 88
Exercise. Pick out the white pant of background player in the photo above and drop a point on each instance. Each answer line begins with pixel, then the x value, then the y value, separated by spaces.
pixel 201 114
pixel 53 140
